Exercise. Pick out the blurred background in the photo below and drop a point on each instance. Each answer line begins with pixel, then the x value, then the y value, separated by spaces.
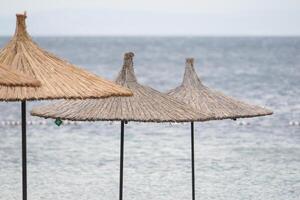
pixel 168 17
pixel 247 49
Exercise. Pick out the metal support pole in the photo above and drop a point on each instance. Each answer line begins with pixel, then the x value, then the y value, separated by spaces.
pixel 193 160
pixel 24 151
pixel 121 161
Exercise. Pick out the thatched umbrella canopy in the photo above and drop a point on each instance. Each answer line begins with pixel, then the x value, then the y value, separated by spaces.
pixel 207 100
pixel 59 79
pixel 204 99
pixel 11 77
pixel 146 105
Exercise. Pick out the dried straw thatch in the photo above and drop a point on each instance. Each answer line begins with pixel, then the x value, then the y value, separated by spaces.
pixel 146 105
pixel 11 77
pixel 206 100
pixel 59 79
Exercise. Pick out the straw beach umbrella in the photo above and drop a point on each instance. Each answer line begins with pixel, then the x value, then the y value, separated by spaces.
pixel 206 100
pixel 11 77
pixel 59 79
pixel 146 105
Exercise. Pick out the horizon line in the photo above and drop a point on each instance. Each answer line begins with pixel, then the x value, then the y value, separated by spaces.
pixel 157 35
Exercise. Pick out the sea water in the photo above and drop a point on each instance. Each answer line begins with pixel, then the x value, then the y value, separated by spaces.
pixel 246 159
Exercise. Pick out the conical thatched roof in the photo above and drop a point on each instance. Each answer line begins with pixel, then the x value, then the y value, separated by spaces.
pixel 11 77
pixel 146 104
pixel 59 79
pixel 206 100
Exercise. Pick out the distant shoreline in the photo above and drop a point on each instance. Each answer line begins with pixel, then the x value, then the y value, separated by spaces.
pixel 157 36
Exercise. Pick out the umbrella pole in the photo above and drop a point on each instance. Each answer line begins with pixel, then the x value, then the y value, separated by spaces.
pixel 24 151
pixel 193 160
pixel 121 161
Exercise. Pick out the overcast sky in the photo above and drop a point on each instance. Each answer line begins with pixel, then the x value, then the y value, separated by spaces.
pixel 154 17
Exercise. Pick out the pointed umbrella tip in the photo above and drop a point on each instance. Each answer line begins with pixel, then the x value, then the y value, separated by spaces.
pixel 127 75
pixel 128 59
pixel 128 55
pixel 189 60
pixel 21 25
pixel 24 14
pixel 190 77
